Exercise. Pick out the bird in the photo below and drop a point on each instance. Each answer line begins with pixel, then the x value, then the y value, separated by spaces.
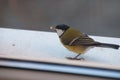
pixel 76 41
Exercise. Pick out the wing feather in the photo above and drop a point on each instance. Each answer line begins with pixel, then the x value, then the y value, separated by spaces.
pixel 82 40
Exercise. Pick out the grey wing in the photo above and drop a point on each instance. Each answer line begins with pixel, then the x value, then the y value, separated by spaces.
pixel 84 40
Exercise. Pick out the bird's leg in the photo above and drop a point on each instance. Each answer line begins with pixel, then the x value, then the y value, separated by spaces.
pixel 75 58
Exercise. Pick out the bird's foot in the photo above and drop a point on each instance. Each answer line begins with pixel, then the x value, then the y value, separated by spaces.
pixel 74 58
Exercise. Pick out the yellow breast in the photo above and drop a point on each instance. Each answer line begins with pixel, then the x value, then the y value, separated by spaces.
pixel 77 49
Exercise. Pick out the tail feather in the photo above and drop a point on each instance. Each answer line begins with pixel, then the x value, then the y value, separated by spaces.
pixel 114 46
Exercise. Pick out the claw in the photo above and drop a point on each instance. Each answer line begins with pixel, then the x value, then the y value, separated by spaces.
pixel 70 58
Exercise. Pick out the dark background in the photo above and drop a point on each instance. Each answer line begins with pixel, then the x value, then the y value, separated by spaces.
pixel 94 17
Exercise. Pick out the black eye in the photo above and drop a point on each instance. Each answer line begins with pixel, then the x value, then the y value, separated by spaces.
pixel 62 26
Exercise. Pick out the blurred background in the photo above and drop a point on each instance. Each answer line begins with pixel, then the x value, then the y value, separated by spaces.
pixel 94 17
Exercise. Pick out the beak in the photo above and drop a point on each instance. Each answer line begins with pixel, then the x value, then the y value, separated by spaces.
pixel 52 28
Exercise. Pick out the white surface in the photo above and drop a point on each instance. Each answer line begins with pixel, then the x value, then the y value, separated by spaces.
pixel 38 44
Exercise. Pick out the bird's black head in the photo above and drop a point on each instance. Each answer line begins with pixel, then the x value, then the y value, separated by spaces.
pixel 62 27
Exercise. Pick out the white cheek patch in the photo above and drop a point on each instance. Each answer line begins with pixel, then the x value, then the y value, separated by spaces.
pixel 59 32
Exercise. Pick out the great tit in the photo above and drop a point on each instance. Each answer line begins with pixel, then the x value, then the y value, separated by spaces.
pixel 76 41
